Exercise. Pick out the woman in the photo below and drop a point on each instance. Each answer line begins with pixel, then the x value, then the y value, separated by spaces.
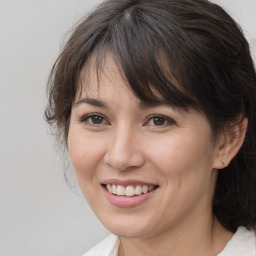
pixel 156 101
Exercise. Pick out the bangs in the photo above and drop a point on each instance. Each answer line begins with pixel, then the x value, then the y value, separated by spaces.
pixel 144 59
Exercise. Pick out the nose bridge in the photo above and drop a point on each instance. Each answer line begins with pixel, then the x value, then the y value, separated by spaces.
pixel 124 149
pixel 123 137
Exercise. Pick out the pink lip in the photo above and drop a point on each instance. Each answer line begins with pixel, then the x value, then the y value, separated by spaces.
pixel 126 202
pixel 126 183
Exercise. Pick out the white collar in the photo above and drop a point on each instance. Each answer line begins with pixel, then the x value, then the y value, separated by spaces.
pixel 241 244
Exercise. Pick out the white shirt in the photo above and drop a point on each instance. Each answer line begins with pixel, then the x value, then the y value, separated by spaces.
pixel 243 243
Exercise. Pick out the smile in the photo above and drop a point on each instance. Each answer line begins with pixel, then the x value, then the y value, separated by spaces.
pixel 129 190
pixel 128 193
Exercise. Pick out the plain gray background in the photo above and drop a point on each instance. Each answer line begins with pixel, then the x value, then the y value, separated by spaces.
pixel 39 214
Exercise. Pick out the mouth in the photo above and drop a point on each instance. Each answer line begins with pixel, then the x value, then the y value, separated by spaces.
pixel 129 190
pixel 128 193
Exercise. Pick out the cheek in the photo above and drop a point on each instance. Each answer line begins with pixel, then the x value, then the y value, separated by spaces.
pixel 185 166
pixel 85 156
pixel 85 153
pixel 183 150
pixel 184 160
pixel 76 150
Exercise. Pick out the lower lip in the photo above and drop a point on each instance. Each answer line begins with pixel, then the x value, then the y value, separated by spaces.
pixel 126 202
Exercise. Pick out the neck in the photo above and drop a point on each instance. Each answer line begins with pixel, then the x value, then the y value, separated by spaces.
pixel 202 238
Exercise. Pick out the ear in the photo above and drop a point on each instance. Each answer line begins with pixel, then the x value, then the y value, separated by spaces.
pixel 229 144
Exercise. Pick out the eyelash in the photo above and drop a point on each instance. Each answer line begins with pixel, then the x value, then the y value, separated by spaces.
pixel 167 120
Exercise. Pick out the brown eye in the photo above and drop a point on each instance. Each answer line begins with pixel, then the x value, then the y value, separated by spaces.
pixel 97 119
pixel 94 119
pixel 158 121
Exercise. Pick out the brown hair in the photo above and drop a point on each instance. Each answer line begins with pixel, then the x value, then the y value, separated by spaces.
pixel 206 52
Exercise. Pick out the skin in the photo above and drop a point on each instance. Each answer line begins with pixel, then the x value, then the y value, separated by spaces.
pixel 124 141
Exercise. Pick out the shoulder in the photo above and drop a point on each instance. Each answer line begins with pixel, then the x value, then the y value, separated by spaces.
pixel 243 242
pixel 107 247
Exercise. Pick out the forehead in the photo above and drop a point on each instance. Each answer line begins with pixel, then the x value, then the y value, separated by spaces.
pixel 96 77
pixel 107 87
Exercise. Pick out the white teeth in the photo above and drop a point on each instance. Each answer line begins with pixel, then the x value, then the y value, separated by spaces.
pixel 138 190
pixel 145 189
pixel 113 189
pixel 109 188
pixel 120 190
pixel 129 190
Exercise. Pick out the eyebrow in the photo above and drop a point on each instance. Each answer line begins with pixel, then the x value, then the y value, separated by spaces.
pixel 102 104
pixel 93 102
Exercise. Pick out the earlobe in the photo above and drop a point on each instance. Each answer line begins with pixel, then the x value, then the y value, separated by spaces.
pixel 230 143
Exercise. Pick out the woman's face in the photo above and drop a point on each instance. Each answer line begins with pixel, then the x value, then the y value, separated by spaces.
pixel 158 159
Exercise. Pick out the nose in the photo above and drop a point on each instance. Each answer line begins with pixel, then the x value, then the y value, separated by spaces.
pixel 124 150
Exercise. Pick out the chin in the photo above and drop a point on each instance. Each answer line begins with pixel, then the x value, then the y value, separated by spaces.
pixel 128 233
pixel 128 227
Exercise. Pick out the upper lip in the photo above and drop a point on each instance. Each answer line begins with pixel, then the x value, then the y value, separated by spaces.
pixel 126 183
